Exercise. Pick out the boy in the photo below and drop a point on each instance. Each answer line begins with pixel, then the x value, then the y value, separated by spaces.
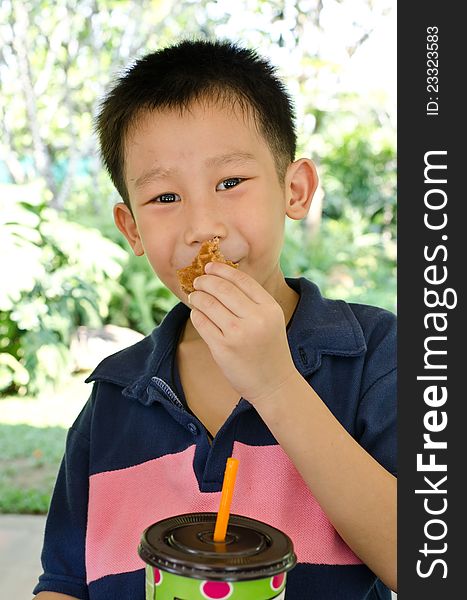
pixel 199 140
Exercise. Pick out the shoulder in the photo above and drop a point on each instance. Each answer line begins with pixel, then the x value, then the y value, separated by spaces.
pixel 376 323
pixel 337 327
pixel 140 360
pixel 379 327
pixel 124 366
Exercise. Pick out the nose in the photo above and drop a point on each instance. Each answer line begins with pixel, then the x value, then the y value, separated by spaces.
pixel 204 221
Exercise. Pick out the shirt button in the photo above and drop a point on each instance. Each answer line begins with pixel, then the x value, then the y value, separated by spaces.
pixel 192 427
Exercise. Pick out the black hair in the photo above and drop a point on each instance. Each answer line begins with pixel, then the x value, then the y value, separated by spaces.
pixel 194 70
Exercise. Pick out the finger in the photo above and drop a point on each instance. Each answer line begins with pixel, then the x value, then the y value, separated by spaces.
pixel 204 326
pixel 215 311
pixel 230 295
pixel 242 280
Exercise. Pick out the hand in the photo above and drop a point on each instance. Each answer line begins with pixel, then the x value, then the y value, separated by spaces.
pixel 244 328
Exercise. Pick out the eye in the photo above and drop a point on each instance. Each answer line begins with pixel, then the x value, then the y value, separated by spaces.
pixel 166 198
pixel 229 183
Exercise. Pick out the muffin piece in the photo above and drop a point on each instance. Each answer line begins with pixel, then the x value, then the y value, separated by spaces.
pixel 209 252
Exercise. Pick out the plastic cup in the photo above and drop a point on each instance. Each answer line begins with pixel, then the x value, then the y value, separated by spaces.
pixel 184 563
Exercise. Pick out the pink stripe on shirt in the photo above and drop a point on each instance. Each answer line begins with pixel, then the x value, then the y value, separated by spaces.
pixel 123 503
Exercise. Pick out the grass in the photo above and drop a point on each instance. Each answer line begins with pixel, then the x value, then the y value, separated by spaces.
pixel 29 460
pixel 32 441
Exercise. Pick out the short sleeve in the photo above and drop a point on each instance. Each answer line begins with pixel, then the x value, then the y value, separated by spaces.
pixel 63 553
pixel 376 423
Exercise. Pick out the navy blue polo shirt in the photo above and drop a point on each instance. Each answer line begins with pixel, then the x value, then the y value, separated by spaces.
pixel 136 455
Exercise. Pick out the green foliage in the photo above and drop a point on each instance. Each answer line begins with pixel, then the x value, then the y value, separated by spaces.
pixel 141 300
pixel 358 168
pixel 353 255
pixel 29 501
pixel 60 275
pixel 345 260
pixel 144 300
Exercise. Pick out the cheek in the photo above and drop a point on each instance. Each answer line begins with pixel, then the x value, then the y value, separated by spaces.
pixel 158 248
pixel 266 229
pixel 265 245
pixel 160 258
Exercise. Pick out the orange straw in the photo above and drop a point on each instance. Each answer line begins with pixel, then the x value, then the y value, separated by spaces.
pixel 226 499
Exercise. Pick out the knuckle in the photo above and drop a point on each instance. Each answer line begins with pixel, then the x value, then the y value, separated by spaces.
pixel 235 332
pixel 275 311
pixel 209 301
pixel 242 277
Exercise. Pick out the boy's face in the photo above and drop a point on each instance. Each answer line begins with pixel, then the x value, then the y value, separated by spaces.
pixel 198 174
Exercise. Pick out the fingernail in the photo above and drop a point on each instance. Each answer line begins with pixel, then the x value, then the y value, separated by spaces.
pixel 195 281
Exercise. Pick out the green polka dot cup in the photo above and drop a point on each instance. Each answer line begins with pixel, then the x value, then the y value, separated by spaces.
pixel 184 563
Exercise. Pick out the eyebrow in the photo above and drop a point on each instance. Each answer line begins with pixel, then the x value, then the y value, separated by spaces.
pixel 159 172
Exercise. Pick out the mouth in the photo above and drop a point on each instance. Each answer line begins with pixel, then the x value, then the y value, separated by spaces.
pixel 209 251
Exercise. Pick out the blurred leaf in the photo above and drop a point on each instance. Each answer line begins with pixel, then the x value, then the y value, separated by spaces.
pixel 60 275
pixel 11 371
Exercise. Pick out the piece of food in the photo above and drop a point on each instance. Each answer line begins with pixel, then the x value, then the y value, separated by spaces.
pixel 209 252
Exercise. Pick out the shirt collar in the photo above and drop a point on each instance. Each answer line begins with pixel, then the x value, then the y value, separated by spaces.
pixel 319 326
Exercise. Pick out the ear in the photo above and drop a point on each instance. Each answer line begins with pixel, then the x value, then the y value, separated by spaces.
pixel 125 221
pixel 301 182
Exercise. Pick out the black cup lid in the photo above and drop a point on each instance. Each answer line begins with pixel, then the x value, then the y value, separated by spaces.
pixel 184 545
